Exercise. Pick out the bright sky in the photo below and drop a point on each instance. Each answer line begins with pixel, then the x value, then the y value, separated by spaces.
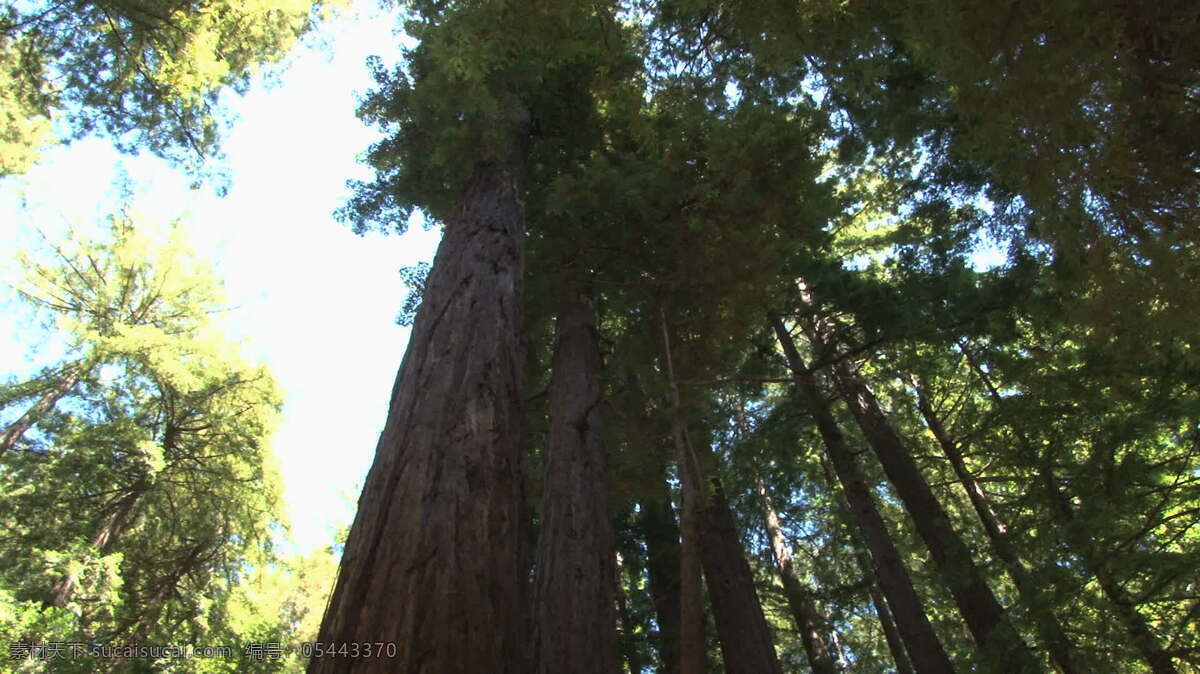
pixel 313 301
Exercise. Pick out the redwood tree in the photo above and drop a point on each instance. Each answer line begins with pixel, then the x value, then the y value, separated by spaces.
pixel 574 594
pixel 435 562
pixel 446 482
pixel 922 643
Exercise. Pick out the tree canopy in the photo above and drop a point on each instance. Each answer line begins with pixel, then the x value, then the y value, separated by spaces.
pixel 763 336
pixel 843 168
pixel 147 74
pixel 140 494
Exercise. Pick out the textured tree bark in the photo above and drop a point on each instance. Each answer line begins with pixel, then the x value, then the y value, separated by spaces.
pixel 922 644
pixel 746 644
pixel 985 617
pixel 1049 629
pixel 574 595
pixel 661 533
pixel 70 376
pixel 887 622
pixel 691 579
pixel 434 563
pixel 807 619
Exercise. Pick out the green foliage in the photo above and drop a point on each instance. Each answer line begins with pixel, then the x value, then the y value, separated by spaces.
pixel 24 115
pixel 279 603
pixel 691 163
pixel 414 279
pixel 1086 344
pixel 487 80
pixel 147 74
pixel 141 500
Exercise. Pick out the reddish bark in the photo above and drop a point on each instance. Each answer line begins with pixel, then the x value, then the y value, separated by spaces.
pixel 574 595
pixel 923 646
pixel 433 563
pixel 976 602
pixel 691 579
pixel 1049 629
pixel 745 637
pixel 808 620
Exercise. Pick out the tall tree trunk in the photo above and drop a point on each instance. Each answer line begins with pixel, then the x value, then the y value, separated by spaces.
pixel 574 594
pixel 886 622
pixel 745 637
pixel 68 378
pixel 661 533
pixel 1063 513
pixel 862 559
pixel 657 526
pixel 808 621
pixel 742 630
pixel 1049 629
pixel 1000 643
pixel 434 561
pixel 691 588
pixel 1144 640
pixel 922 644
pixel 111 528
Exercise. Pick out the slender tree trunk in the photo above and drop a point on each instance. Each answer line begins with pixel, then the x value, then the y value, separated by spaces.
pixel 661 533
pixel 1063 512
pixel 745 637
pixel 1049 629
pixel 657 526
pixel 922 644
pixel 106 535
pixel 985 617
pixel 574 596
pixel 434 561
pixel 742 629
pixel 842 662
pixel 68 378
pixel 808 621
pixel 691 588
pixel 887 622
pixel 1143 638
pixel 1139 631
pixel 890 634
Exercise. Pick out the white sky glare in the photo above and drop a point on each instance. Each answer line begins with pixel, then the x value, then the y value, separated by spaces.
pixel 311 300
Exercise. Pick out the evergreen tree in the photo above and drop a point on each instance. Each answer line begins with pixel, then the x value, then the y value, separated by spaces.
pixel 141 483
pixel 147 74
pixel 448 474
pixel 707 154
pixel 625 190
